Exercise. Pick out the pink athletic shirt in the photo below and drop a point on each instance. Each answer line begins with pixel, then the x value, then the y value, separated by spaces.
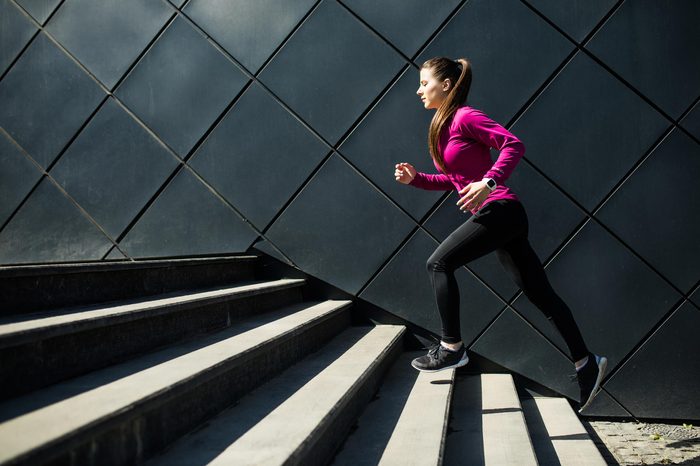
pixel 464 142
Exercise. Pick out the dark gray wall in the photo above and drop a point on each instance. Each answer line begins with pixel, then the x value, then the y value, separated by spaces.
pixel 147 128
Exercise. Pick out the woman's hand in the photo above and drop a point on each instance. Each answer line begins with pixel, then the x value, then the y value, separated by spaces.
pixel 405 172
pixel 473 195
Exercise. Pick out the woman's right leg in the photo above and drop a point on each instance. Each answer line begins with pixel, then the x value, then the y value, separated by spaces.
pixel 490 228
pixel 468 242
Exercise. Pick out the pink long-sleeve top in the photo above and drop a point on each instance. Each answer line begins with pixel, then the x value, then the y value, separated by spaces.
pixel 464 142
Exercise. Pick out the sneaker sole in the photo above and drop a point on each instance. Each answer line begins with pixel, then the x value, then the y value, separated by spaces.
pixel 602 365
pixel 460 363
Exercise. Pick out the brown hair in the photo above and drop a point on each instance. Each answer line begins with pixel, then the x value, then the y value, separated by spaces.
pixel 444 68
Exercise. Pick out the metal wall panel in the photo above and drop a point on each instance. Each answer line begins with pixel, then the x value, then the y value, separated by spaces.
pixel 339 227
pixel 113 168
pixel 236 25
pixel 16 29
pixel 174 128
pixel 653 45
pixel 17 176
pixel 394 126
pixel 107 36
pixel 49 227
pixel 39 9
pixel 331 69
pixel 46 97
pixel 181 86
pixel 258 174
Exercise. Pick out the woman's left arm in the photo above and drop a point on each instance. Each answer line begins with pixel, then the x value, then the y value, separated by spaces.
pixel 477 125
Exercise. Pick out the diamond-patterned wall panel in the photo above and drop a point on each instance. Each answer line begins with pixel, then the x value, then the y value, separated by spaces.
pixel 325 234
pixel 187 218
pixel 190 157
pixel 393 132
pixel 586 130
pixel 405 23
pixel 45 98
pixel 695 297
pixel 15 31
pixel 107 36
pixel 113 168
pixel 235 25
pixel 671 355
pixel 115 254
pixel 691 121
pixel 673 249
pixel 652 44
pixel 181 86
pixel 331 69
pixel 60 231
pixel 577 19
pixel 507 42
pixel 258 174
pixel 39 9
pixel 17 177
pixel 177 3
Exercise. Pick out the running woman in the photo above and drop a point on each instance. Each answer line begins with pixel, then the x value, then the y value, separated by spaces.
pixel 459 140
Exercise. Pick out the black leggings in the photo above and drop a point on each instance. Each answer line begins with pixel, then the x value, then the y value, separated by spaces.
pixel 500 226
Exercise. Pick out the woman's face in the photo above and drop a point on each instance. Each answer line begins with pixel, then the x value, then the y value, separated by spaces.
pixel 431 91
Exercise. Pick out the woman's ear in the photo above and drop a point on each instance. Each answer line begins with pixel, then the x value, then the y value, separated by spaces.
pixel 446 84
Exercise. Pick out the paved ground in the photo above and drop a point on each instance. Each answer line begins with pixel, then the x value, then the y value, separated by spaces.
pixel 628 443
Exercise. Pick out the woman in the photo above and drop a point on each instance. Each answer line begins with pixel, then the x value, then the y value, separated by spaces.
pixel 459 140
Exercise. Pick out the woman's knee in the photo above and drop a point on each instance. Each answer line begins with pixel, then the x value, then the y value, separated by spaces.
pixel 436 264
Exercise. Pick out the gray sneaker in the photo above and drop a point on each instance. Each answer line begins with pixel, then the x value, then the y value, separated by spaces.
pixel 440 358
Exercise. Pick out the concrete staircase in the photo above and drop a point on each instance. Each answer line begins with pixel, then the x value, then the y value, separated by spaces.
pixel 254 371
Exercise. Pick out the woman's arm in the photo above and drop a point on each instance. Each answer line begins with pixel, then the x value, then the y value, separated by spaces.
pixel 433 182
pixel 480 127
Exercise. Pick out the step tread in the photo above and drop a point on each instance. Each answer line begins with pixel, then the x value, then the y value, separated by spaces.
pixel 488 425
pixel 7 271
pixel 141 379
pixel 553 422
pixel 422 427
pixel 49 324
pixel 506 438
pixel 274 421
pixel 407 423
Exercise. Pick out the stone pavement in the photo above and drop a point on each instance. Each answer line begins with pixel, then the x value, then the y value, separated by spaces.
pixel 639 443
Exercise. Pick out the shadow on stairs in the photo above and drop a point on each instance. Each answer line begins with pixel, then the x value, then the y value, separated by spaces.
pixel 252 369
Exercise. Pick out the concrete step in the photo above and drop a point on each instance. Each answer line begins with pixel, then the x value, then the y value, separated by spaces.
pixel 32 288
pixel 488 426
pixel 302 415
pixel 40 349
pixel 557 433
pixel 126 413
pixel 406 423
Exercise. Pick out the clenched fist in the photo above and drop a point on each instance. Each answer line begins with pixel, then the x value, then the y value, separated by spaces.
pixel 404 172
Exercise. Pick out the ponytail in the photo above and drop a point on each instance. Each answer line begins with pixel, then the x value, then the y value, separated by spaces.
pixel 459 72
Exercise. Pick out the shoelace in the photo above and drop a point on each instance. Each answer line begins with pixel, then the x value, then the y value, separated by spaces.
pixel 434 351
